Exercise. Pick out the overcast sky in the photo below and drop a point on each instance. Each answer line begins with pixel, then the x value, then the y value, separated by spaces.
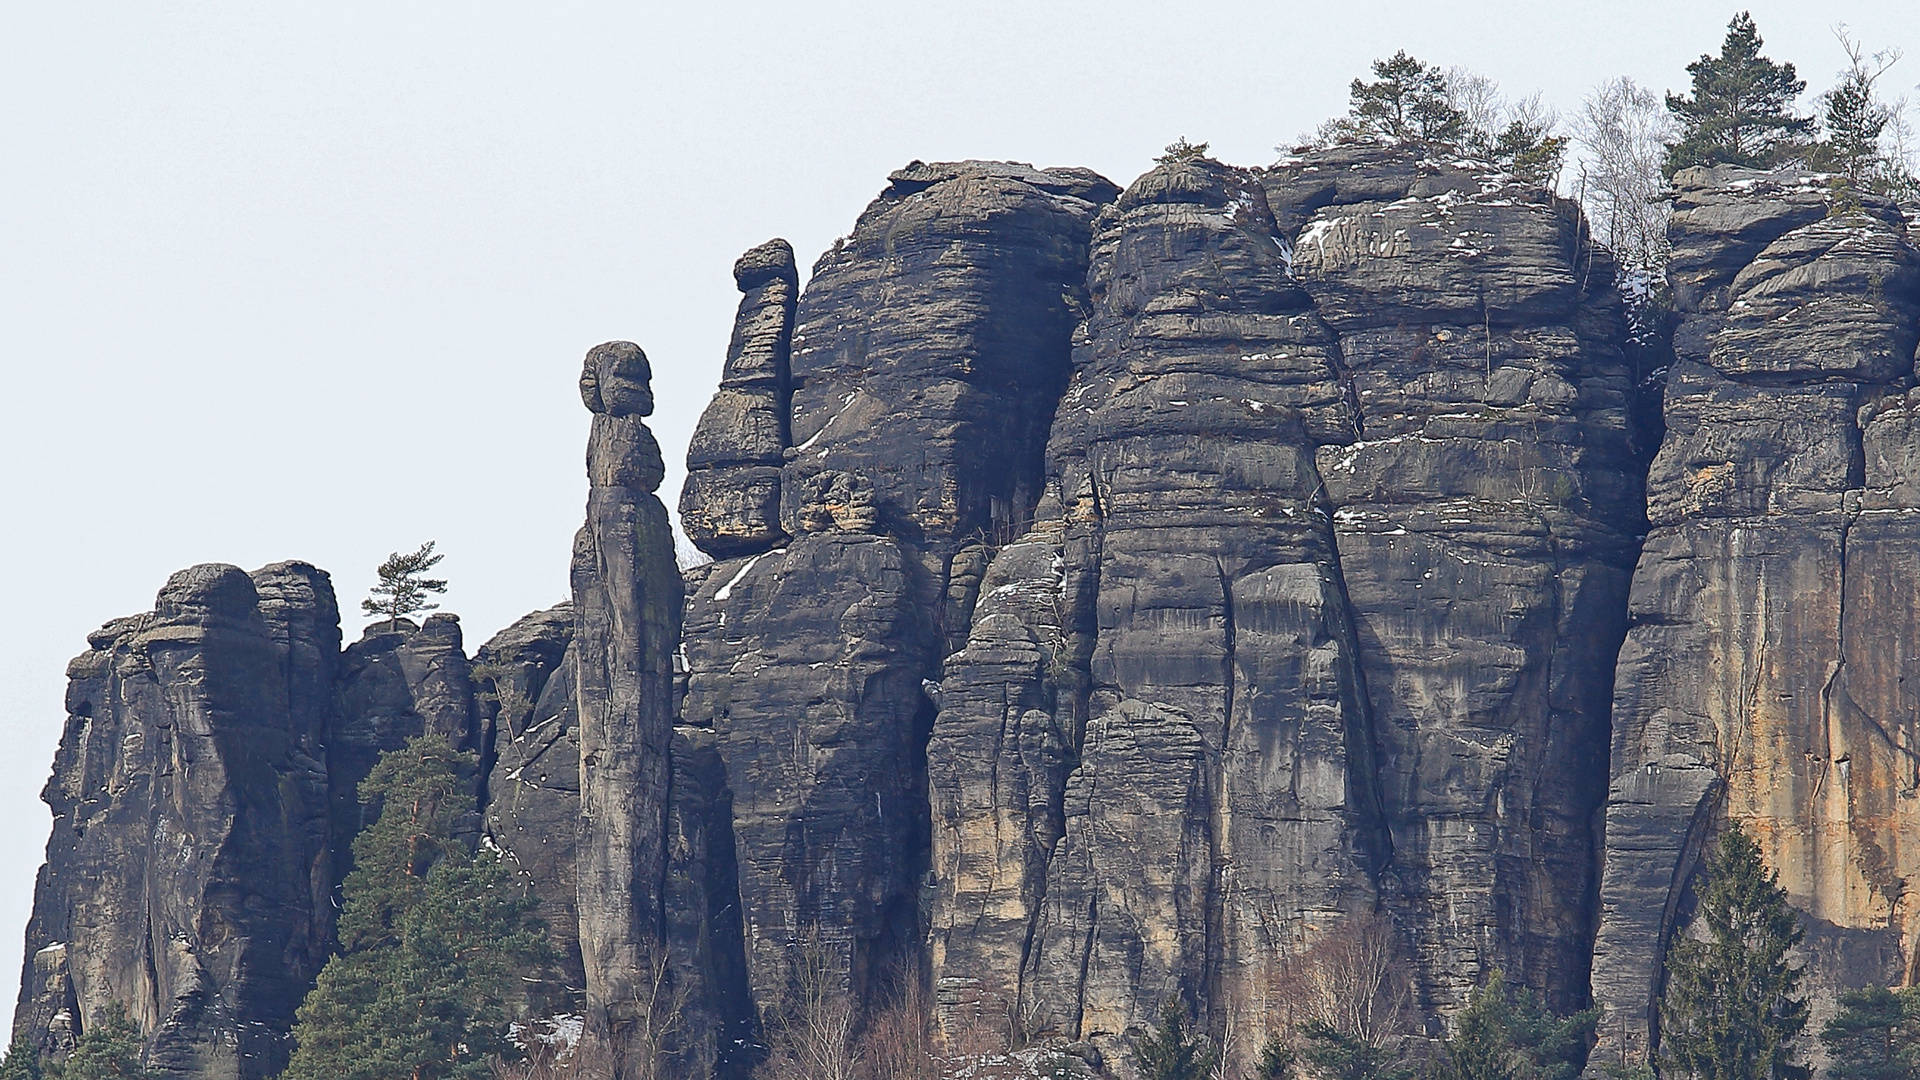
pixel 314 280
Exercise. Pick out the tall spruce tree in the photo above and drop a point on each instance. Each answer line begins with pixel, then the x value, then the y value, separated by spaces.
pixel 1875 1035
pixel 432 938
pixel 1741 109
pixel 1733 1008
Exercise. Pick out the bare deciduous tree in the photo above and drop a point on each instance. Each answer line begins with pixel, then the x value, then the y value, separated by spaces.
pixel 898 1041
pixel 1623 130
pixel 1354 981
pixel 812 1031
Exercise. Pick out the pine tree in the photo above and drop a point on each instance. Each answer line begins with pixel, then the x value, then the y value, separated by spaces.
pixel 432 939
pixel 1180 150
pixel 109 1049
pixel 1741 109
pixel 1855 119
pixel 1508 1033
pixel 1732 1008
pixel 1408 103
pixel 1332 1054
pixel 1275 1061
pixel 403 589
pixel 1875 1036
pixel 1171 1051
pixel 22 1061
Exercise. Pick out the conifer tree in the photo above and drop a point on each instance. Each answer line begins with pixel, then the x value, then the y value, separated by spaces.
pixel 1732 1008
pixel 22 1062
pixel 1275 1061
pixel 1172 1051
pixel 1508 1033
pixel 432 939
pixel 109 1049
pixel 1741 109
pixel 1855 119
pixel 1331 1054
pixel 1875 1035
pixel 1408 102
pixel 403 586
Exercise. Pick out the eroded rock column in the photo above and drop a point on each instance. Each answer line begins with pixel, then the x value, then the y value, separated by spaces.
pixel 626 602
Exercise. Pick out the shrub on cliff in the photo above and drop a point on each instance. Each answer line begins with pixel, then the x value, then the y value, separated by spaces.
pixel 1733 1008
pixel 432 939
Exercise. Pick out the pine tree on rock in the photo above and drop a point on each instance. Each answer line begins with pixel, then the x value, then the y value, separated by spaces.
pixel 1875 1035
pixel 432 939
pixel 404 586
pixel 1855 118
pixel 1408 102
pixel 1733 1008
pixel 1741 109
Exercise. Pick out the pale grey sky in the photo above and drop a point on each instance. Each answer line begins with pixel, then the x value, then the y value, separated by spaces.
pixel 313 281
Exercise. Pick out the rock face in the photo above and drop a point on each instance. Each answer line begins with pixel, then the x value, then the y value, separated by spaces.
pixel 1200 718
pixel 1118 593
pixel 532 804
pixel 1766 680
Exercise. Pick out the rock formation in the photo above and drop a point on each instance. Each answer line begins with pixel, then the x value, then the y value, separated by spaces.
pixel 187 874
pixel 930 346
pixel 731 502
pixel 626 605
pixel 1118 592
pixel 1766 679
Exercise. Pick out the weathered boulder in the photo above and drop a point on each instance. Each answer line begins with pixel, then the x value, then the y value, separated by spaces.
pixel 187 873
pixel 1765 680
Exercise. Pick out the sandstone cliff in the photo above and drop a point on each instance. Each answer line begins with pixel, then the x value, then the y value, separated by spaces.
pixel 1118 592
pixel 1766 678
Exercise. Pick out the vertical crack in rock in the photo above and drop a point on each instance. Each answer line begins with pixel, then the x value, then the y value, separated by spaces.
pixel 1208 816
pixel 1781 502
